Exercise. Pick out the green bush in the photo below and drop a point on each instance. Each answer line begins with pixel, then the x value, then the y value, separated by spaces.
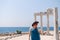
pixel 18 32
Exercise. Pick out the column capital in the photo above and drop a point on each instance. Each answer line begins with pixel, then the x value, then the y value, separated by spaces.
pixel 50 11
pixel 41 13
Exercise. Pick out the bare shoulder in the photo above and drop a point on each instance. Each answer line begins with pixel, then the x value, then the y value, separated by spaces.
pixel 31 28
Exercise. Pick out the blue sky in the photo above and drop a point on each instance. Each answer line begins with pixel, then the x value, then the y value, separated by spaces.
pixel 21 12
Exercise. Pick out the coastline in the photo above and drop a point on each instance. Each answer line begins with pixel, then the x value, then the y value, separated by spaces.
pixel 25 36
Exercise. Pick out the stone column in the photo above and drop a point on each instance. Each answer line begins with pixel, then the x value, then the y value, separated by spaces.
pixel 35 17
pixel 47 22
pixel 56 34
pixel 41 24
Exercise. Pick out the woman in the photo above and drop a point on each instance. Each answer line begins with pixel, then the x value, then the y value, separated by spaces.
pixel 34 34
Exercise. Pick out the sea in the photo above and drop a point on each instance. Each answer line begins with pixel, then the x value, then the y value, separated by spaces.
pixel 23 29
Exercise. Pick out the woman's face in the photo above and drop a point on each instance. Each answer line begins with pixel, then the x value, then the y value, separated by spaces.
pixel 35 25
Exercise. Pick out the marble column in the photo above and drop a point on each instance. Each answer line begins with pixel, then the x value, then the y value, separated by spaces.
pixel 47 22
pixel 56 34
pixel 41 24
pixel 35 17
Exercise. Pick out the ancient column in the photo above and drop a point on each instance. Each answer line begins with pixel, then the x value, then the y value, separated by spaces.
pixel 47 22
pixel 35 17
pixel 41 24
pixel 56 34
